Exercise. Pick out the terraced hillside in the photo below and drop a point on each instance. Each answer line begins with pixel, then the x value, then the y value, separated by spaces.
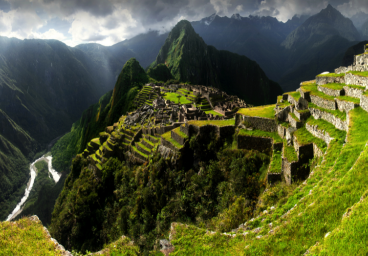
pixel 324 121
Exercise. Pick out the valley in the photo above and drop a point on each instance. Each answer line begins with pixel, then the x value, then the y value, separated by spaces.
pixel 222 136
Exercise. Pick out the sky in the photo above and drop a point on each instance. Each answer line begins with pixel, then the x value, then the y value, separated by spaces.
pixel 110 21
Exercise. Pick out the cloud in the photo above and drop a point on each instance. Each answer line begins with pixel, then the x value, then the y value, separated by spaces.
pixel 110 21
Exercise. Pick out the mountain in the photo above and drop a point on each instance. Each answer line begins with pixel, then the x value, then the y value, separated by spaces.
pixel 227 71
pixel 319 28
pixel 364 30
pixel 44 87
pixel 144 47
pixel 317 45
pixel 258 38
pixel 359 19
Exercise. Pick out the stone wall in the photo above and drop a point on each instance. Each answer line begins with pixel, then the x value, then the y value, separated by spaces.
pixel 294 123
pixel 322 134
pixel 289 170
pixel 168 144
pixel 256 143
pixel 302 116
pixel 353 92
pixel 283 114
pixel 317 151
pixel 294 171
pixel 337 122
pixel 330 92
pixel 343 69
pixel 320 80
pixel 177 137
pixel 304 152
pixel 263 124
pixel 346 105
pixel 364 102
pixel 357 80
pixel 305 95
pixel 281 130
pixel 323 103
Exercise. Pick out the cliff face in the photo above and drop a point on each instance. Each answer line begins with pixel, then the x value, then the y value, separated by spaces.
pixel 190 60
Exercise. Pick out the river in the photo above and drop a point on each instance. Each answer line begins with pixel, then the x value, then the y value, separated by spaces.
pixel 55 175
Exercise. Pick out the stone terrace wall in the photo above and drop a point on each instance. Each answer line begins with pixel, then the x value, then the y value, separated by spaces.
pixel 177 137
pixel 305 95
pixel 321 80
pixel 323 135
pixel 357 80
pixel 283 114
pixel 337 122
pixel 323 103
pixel 281 130
pixel 288 170
pixel 330 92
pixel 263 124
pixel 352 92
pixel 346 105
pixel 364 102
pixel 343 69
pixel 256 143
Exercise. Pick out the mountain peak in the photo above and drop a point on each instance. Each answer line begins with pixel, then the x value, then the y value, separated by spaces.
pixel 236 16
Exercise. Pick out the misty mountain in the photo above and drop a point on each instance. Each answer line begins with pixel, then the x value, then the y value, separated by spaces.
pixel 258 38
pixel 227 71
pixel 359 19
pixel 44 87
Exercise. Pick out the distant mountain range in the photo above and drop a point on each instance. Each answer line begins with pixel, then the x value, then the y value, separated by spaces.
pixel 227 71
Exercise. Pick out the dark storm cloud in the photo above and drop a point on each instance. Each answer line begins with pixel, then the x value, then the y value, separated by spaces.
pixel 4 6
pixel 115 20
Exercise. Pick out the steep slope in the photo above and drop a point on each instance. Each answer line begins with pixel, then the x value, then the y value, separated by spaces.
pixel 258 38
pixel 318 45
pixel 320 27
pixel 143 47
pixel 228 71
pixel 44 87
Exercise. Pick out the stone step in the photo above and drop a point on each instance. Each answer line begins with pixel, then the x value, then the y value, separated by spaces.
pixel 332 89
pixel 302 115
pixel 330 78
pixel 334 117
pixel 147 143
pixel 143 148
pixel 354 91
pixel 294 121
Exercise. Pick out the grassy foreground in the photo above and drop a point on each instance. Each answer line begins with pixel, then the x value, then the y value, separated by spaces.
pixel 325 215
pixel 25 237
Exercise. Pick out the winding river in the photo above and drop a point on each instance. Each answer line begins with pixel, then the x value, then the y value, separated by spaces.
pixel 55 175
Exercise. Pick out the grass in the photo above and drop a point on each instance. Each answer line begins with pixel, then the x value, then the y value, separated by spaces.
pixel 355 86
pixel 357 73
pixel 332 75
pixel 180 133
pixel 213 113
pixel 295 95
pixel 25 237
pixel 173 97
pixel 289 153
pixel 258 133
pixel 313 89
pixel 306 83
pixel 349 99
pixel 139 152
pixel 333 86
pixel 337 113
pixel 304 137
pixel 149 142
pixel 294 117
pixel 219 123
pixel 267 111
pixel 327 127
pixel 276 162
pixel 167 136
